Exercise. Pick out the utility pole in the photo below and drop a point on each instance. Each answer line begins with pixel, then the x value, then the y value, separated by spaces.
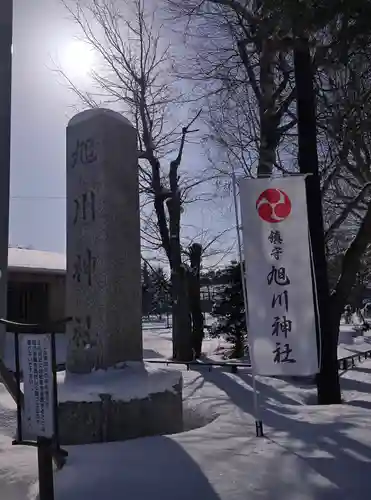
pixel 6 34
pixel 328 379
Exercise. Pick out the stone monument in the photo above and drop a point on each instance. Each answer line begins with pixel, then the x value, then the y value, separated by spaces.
pixel 103 242
pixel 108 393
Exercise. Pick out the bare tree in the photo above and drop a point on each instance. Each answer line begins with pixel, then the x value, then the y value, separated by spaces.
pixel 133 77
pixel 344 118
pixel 197 256
pixel 253 122
pixel 244 70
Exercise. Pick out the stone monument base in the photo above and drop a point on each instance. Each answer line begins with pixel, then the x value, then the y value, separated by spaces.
pixel 129 401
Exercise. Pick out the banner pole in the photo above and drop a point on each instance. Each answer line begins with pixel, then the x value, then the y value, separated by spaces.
pixel 258 421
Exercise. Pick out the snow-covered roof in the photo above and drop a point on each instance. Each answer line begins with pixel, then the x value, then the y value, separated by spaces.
pixel 25 259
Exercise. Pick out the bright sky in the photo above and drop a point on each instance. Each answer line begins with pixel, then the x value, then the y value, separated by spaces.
pixel 41 109
pixel 39 117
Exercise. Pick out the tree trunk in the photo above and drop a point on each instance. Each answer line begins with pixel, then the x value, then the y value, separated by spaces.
pixel 350 267
pixel 194 292
pixel 328 384
pixel 170 239
pixel 239 347
pixel 182 345
pixel 268 141
pixel 181 328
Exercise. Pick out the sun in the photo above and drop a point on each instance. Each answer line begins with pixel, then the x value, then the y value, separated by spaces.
pixel 77 58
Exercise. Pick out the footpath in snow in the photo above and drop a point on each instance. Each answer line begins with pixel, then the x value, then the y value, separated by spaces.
pixel 309 452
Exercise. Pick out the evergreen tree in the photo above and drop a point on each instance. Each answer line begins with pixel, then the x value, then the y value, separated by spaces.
pixel 146 291
pixel 160 290
pixel 155 290
pixel 229 310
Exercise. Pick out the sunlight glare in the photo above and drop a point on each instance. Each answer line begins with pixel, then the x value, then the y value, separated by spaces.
pixel 77 58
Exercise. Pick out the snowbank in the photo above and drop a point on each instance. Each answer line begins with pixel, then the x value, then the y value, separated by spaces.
pixel 304 455
pixel 131 381
pixel 309 453
pixel 18 464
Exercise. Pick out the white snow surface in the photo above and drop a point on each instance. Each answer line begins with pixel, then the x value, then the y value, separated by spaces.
pixel 131 381
pixel 27 259
pixel 308 452
pixel 18 464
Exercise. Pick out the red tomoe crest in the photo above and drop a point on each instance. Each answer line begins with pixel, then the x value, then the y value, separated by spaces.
pixel 273 205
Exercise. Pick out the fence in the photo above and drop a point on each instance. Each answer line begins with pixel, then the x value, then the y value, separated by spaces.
pixel 349 362
pixel 344 363
pixel 155 322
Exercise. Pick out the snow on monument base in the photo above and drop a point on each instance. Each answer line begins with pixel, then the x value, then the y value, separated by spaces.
pixel 126 402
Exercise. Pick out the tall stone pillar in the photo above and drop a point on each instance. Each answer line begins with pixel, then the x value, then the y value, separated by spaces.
pixel 103 284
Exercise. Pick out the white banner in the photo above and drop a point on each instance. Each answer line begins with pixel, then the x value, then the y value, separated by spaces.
pixel 36 365
pixel 282 334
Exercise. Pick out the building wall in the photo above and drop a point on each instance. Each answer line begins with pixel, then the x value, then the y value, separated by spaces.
pixel 55 303
pixel 56 286
pixel 57 298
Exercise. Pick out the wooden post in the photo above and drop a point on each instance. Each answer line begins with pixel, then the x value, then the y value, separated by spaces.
pixel 45 465
pixel 6 37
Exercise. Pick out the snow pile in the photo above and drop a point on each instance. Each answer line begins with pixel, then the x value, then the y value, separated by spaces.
pixel 309 452
pixel 360 343
pixel 157 343
pixel 304 455
pixel 18 464
pixel 125 383
pixel 27 259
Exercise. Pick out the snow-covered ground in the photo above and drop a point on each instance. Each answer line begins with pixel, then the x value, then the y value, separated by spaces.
pixel 18 465
pixel 309 452
pixel 158 344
